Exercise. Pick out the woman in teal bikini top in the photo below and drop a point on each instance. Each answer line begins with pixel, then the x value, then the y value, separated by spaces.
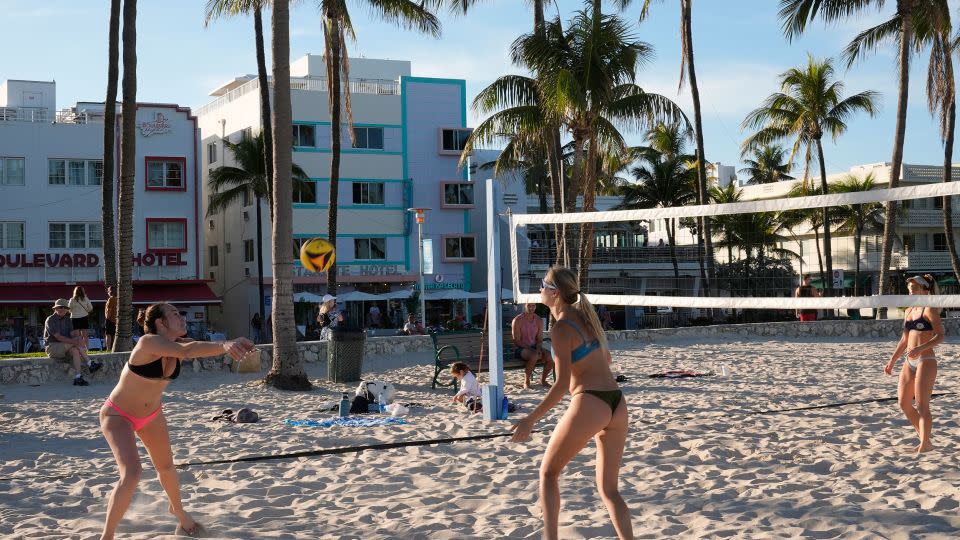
pixel 597 408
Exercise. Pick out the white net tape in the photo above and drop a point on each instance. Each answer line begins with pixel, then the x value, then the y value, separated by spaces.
pixel 772 205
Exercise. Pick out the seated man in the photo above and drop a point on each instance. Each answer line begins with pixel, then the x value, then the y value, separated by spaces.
pixel 527 329
pixel 413 326
pixel 65 343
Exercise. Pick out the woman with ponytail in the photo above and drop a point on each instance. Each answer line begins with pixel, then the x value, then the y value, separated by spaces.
pixel 597 406
pixel 134 408
pixel 922 331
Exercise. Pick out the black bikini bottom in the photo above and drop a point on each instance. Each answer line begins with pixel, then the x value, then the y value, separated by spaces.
pixel 610 397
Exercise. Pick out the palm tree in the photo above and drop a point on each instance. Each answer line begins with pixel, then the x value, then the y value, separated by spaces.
pixel 229 184
pixel 662 181
pixel 796 14
pixel 767 165
pixel 337 26
pixel 128 169
pixel 586 77
pixel 287 369
pixel 109 134
pixel 942 101
pixel 809 104
pixel 811 216
pixel 725 224
pixel 221 8
pixel 855 219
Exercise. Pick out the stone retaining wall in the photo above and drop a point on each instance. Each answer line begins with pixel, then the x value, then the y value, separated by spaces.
pixel 382 353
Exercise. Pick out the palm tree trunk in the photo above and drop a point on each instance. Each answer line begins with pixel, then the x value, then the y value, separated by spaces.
pixel 333 74
pixel 586 228
pixel 556 186
pixel 287 370
pixel 816 242
pixel 128 165
pixel 109 137
pixel 905 10
pixel 857 240
pixel 538 19
pixel 542 192
pixel 948 177
pixel 827 246
pixel 671 239
pixel 265 121
pixel 704 226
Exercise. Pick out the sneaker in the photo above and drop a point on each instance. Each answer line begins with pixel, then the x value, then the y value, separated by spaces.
pixel 80 382
pixel 95 366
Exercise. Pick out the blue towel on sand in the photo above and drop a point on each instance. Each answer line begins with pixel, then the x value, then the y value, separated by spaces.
pixel 349 421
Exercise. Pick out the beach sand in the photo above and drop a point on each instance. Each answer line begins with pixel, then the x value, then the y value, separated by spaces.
pixel 706 457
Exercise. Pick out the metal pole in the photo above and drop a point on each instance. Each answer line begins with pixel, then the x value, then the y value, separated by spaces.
pixel 423 291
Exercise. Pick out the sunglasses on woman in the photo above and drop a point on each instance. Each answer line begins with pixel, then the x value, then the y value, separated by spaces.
pixel 544 284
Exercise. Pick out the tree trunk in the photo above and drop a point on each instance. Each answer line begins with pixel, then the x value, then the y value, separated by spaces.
pixel 128 168
pixel 586 228
pixel 857 240
pixel 816 242
pixel 557 180
pixel 333 73
pixel 287 370
pixel 827 245
pixel 948 177
pixel 108 195
pixel 266 123
pixel 672 240
pixel 706 228
pixel 905 9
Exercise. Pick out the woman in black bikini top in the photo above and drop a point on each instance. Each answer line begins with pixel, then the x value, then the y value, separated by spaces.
pixel 597 407
pixel 134 408
pixel 922 331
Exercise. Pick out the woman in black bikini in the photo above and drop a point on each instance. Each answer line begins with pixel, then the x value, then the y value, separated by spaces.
pixel 597 407
pixel 922 331
pixel 134 409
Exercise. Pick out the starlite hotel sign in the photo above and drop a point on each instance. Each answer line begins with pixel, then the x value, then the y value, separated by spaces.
pixel 158 126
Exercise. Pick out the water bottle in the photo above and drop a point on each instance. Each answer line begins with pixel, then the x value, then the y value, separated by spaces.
pixel 344 406
pixel 382 405
pixel 504 408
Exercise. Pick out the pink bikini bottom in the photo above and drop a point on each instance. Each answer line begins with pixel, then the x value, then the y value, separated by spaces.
pixel 137 422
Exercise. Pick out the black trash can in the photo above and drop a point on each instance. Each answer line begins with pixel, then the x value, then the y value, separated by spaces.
pixel 345 354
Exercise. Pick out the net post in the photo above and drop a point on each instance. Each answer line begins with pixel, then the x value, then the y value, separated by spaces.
pixel 493 392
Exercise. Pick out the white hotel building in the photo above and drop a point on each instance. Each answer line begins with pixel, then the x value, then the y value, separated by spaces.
pixel 409 131
pixel 51 173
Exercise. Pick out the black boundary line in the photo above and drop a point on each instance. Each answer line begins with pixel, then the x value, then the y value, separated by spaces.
pixel 446 440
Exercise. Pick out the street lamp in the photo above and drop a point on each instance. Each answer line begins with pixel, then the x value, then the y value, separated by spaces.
pixel 423 292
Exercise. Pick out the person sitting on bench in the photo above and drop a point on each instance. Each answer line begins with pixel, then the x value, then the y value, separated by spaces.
pixel 527 329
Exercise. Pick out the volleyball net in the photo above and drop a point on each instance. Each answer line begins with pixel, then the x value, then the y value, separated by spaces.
pixel 658 258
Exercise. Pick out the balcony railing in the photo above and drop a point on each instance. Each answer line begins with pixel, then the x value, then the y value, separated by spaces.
pixel 311 84
pixel 622 255
pixel 925 218
pixel 25 114
pixel 913 260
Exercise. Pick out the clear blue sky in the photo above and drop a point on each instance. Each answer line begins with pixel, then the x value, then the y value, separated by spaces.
pixel 739 46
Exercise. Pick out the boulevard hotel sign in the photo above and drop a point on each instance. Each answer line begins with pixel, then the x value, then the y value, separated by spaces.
pixel 83 260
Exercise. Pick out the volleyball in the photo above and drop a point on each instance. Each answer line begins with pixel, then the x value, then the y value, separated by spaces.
pixel 317 255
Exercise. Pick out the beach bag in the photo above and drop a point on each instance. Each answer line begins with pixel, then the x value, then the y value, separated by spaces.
pixel 360 405
pixel 373 389
pixel 250 363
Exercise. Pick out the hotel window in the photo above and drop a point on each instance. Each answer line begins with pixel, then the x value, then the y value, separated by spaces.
pixel 909 242
pixel 11 235
pixel 459 248
pixel 248 254
pixel 95 173
pixel 304 191
pixel 368 137
pixel 213 256
pixel 11 171
pixel 304 135
pixel 247 197
pixel 211 152
pixel 165 173
pixel 57 175
pixel 939 242
pixel 453 140
pixel 75 235
pixel 457 194
pixel 166 235
pixel 297 244
pixel 370 248
pixel 938 203
pixel 368 193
